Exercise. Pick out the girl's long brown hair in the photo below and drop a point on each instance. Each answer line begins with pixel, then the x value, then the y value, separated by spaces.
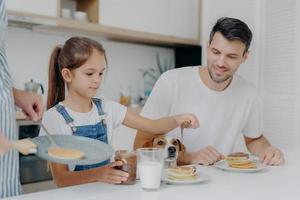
pixel 74 53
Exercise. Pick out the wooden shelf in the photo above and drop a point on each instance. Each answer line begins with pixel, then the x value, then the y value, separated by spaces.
pixel 111 33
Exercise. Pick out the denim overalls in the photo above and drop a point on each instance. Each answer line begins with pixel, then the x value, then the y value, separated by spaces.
pixel 97 131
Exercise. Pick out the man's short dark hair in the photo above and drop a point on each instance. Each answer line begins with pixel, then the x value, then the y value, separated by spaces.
pixel 232 29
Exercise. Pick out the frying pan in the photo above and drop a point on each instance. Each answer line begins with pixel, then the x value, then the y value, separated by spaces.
pixel 95 151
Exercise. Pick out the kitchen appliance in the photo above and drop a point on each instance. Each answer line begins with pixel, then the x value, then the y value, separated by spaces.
pixel 33 86
pixel 188 56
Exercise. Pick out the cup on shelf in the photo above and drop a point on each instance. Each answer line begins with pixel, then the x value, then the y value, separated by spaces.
pixel 66 13
pixel 125 96
pixel 80 16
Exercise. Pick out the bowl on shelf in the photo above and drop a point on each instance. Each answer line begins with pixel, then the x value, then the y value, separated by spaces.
pixel 80 16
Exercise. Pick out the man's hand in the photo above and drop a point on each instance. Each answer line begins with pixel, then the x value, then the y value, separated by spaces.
pixel 4 144
pixel 267 153
pixel 30 103
pixel 272 156
pixel 206 156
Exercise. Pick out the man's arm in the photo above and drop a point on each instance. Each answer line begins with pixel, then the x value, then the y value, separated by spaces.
pixel 257 145
pixel 267 153
pixel 206 156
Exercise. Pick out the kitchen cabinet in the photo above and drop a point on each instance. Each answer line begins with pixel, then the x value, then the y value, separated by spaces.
pixel 184 19
pixel 174 18
pixel 156 22
pixel 38 7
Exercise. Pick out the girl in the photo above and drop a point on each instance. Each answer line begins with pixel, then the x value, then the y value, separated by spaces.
pixel 80 64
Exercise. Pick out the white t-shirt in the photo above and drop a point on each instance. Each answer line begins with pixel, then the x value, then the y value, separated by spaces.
pixel 56 124
pixel 222 115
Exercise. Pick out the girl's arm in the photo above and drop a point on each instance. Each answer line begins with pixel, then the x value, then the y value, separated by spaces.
pixel 158 126
pixel 108 174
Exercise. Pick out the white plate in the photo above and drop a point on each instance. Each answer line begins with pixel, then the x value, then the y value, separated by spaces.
pixel 223 165
pixel 201 178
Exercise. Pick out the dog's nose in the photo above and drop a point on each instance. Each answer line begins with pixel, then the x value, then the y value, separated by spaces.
pixel 172 151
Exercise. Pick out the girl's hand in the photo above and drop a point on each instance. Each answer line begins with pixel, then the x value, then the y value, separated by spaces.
pixel 187 120
pixel 108 173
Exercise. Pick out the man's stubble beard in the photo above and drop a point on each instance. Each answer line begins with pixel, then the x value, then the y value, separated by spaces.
pixel 215 80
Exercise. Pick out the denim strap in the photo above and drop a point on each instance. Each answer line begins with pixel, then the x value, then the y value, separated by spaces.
pixel 61 109
pixel 102 114
pixel 98 104
pixel 69 120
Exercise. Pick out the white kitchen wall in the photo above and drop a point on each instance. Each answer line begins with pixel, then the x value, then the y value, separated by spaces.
pixel 280 72
pixel 28 55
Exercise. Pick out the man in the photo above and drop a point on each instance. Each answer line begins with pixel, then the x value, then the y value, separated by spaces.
pixel 31 105
pixel 225 104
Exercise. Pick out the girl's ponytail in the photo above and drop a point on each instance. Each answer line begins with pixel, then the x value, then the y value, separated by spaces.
pixel 56 84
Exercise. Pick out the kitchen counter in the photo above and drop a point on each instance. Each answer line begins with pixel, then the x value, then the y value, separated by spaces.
pixel 278 182
pixel 25 122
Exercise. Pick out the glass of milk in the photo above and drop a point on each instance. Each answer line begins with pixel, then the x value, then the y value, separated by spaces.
pixel 150 165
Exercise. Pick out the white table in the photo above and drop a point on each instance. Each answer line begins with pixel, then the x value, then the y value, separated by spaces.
pixel 280 182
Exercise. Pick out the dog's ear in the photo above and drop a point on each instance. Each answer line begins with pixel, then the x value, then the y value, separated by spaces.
pixel 181 146
pixel 149 143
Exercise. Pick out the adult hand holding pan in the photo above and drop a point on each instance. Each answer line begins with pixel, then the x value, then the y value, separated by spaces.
pixel 65 149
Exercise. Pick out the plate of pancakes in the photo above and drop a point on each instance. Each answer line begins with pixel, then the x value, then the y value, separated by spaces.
pixel 240 162
pixel 70 149
pixel 186 174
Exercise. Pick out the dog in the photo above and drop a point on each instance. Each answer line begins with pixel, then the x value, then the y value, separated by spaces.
pixel 172 147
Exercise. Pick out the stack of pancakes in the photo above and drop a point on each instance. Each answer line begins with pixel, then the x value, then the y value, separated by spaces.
pixel 240 160
pixel 183 173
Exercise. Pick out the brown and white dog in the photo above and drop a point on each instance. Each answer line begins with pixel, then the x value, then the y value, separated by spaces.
pixel 172 147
